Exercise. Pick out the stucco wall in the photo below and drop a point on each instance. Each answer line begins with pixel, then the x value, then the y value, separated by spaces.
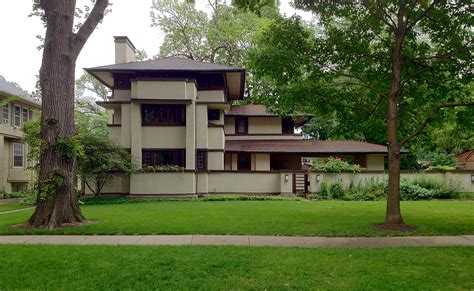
pixel 216 138
pixel 162 183
pixel 159 90
pixel 257 183
pixel 211 95
pixel 459 181
pixel 215 161
pixel 122 95
pixel 375 162
pixel 260 162
pixel 164 137
pixel 265 125
pixel 201 127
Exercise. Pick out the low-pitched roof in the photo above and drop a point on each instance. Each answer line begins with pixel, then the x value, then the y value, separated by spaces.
pixel 10 89
pixel 465 157
pixel 168 64
pixel 304 147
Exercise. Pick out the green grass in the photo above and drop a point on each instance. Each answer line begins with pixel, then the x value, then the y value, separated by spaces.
pixel 12 206
pixel 210 268
pixel 320 218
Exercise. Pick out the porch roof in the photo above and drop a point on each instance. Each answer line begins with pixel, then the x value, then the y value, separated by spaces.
pixel 304 147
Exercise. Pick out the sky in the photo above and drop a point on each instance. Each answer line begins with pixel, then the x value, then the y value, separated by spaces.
pixel 20 59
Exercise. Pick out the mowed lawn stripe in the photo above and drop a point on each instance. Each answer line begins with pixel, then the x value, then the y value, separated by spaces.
pixel 134 267
pixel 302 218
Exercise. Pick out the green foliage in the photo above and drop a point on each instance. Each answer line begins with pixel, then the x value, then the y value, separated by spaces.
pixel 163 168
pixel 103 160
pixel 342 70
pixel 105 200
pixel 334 165
pixel 54 180
pixel 418 189
pixel 89 88
pixel 438 159
pixel 69 147
pixel 21 194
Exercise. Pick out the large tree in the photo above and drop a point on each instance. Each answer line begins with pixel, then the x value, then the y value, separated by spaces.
pixel 222 36
pixel 57 203
pixel 386 68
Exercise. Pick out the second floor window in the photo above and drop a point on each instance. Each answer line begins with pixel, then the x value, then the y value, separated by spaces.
pixel 6 114
pixel 17 117
pixel 201 160
pixel 287 125
pixel 164 157
pixel 170 115
pixel 25 114
pixel 18 155
pixel 241 125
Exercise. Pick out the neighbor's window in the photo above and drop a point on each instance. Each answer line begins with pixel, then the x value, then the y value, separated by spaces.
pixel 201 160
pixel 164 157
pixel 241 125
pixel 287 125
pixel 17 119
pixel 213 114
pixel 25 114
pixel 6 114
pixel 18 155
pixel 164 115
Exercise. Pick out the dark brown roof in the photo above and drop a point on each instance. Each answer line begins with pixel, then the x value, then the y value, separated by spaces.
pixel 304 146
pixel 465 157
pixel 249 110
pixel 168 64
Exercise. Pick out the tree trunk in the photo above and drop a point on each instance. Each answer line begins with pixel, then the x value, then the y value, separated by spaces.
pixel 393 217
pixel 57 202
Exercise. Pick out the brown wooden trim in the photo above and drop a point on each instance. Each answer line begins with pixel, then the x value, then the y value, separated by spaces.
pixel 163 125
pixel 258 171
pixel 215 125
pixel 264 134
pixel 114 125
pixel 161 101
pixel 112 102
pixel 210 150
pixel 310 154
pixel 294 183
pixel 243 193
pixel 214 102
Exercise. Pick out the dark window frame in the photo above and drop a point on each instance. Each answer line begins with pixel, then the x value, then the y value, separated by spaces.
pixel 287 125
pixel 211 114
pixel 241 119
pixel 205 158
pixel 175 114
pixel 241 167
pixel 177 157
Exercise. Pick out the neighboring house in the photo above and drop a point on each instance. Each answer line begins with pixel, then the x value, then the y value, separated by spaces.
pixel 14 172
pixel 177 111
pixel 466 160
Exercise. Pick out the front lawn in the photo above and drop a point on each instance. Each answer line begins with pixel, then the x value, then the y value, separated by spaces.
pixel 12 206
pixel 210 268
pixel 318 218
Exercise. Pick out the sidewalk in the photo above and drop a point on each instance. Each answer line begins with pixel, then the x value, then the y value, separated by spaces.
pixel 242 240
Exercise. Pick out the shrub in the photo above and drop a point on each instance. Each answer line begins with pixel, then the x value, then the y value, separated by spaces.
pixel 336 191
pixel 334 165
pixel 248 198
pixel 29 200
pixel 20 194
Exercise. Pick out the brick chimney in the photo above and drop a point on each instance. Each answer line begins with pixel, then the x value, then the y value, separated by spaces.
pixel 124 50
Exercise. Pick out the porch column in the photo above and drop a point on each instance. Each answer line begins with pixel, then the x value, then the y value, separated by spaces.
pixel 191 136
pixel 136 133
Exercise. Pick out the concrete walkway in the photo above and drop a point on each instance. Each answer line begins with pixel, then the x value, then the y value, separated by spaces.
pixel 242 240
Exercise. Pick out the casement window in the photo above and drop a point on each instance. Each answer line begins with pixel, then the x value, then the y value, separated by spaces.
pixel 244 161
pixel 17 116
pixel 25 114
pixel 287 125
pixel 18 155
pixel 164 115
pixel 241 125
pixel 201 160
pixel 213 114
pixel 164 157
pixel 6 114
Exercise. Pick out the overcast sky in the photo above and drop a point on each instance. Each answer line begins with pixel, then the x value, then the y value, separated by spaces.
pixel 20 59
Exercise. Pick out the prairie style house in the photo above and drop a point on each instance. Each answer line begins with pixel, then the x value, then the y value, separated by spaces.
pixel 177 111
pixel 14 172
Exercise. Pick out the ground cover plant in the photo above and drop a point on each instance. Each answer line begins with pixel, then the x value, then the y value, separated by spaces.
pixel 310 218
pixel 209 268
